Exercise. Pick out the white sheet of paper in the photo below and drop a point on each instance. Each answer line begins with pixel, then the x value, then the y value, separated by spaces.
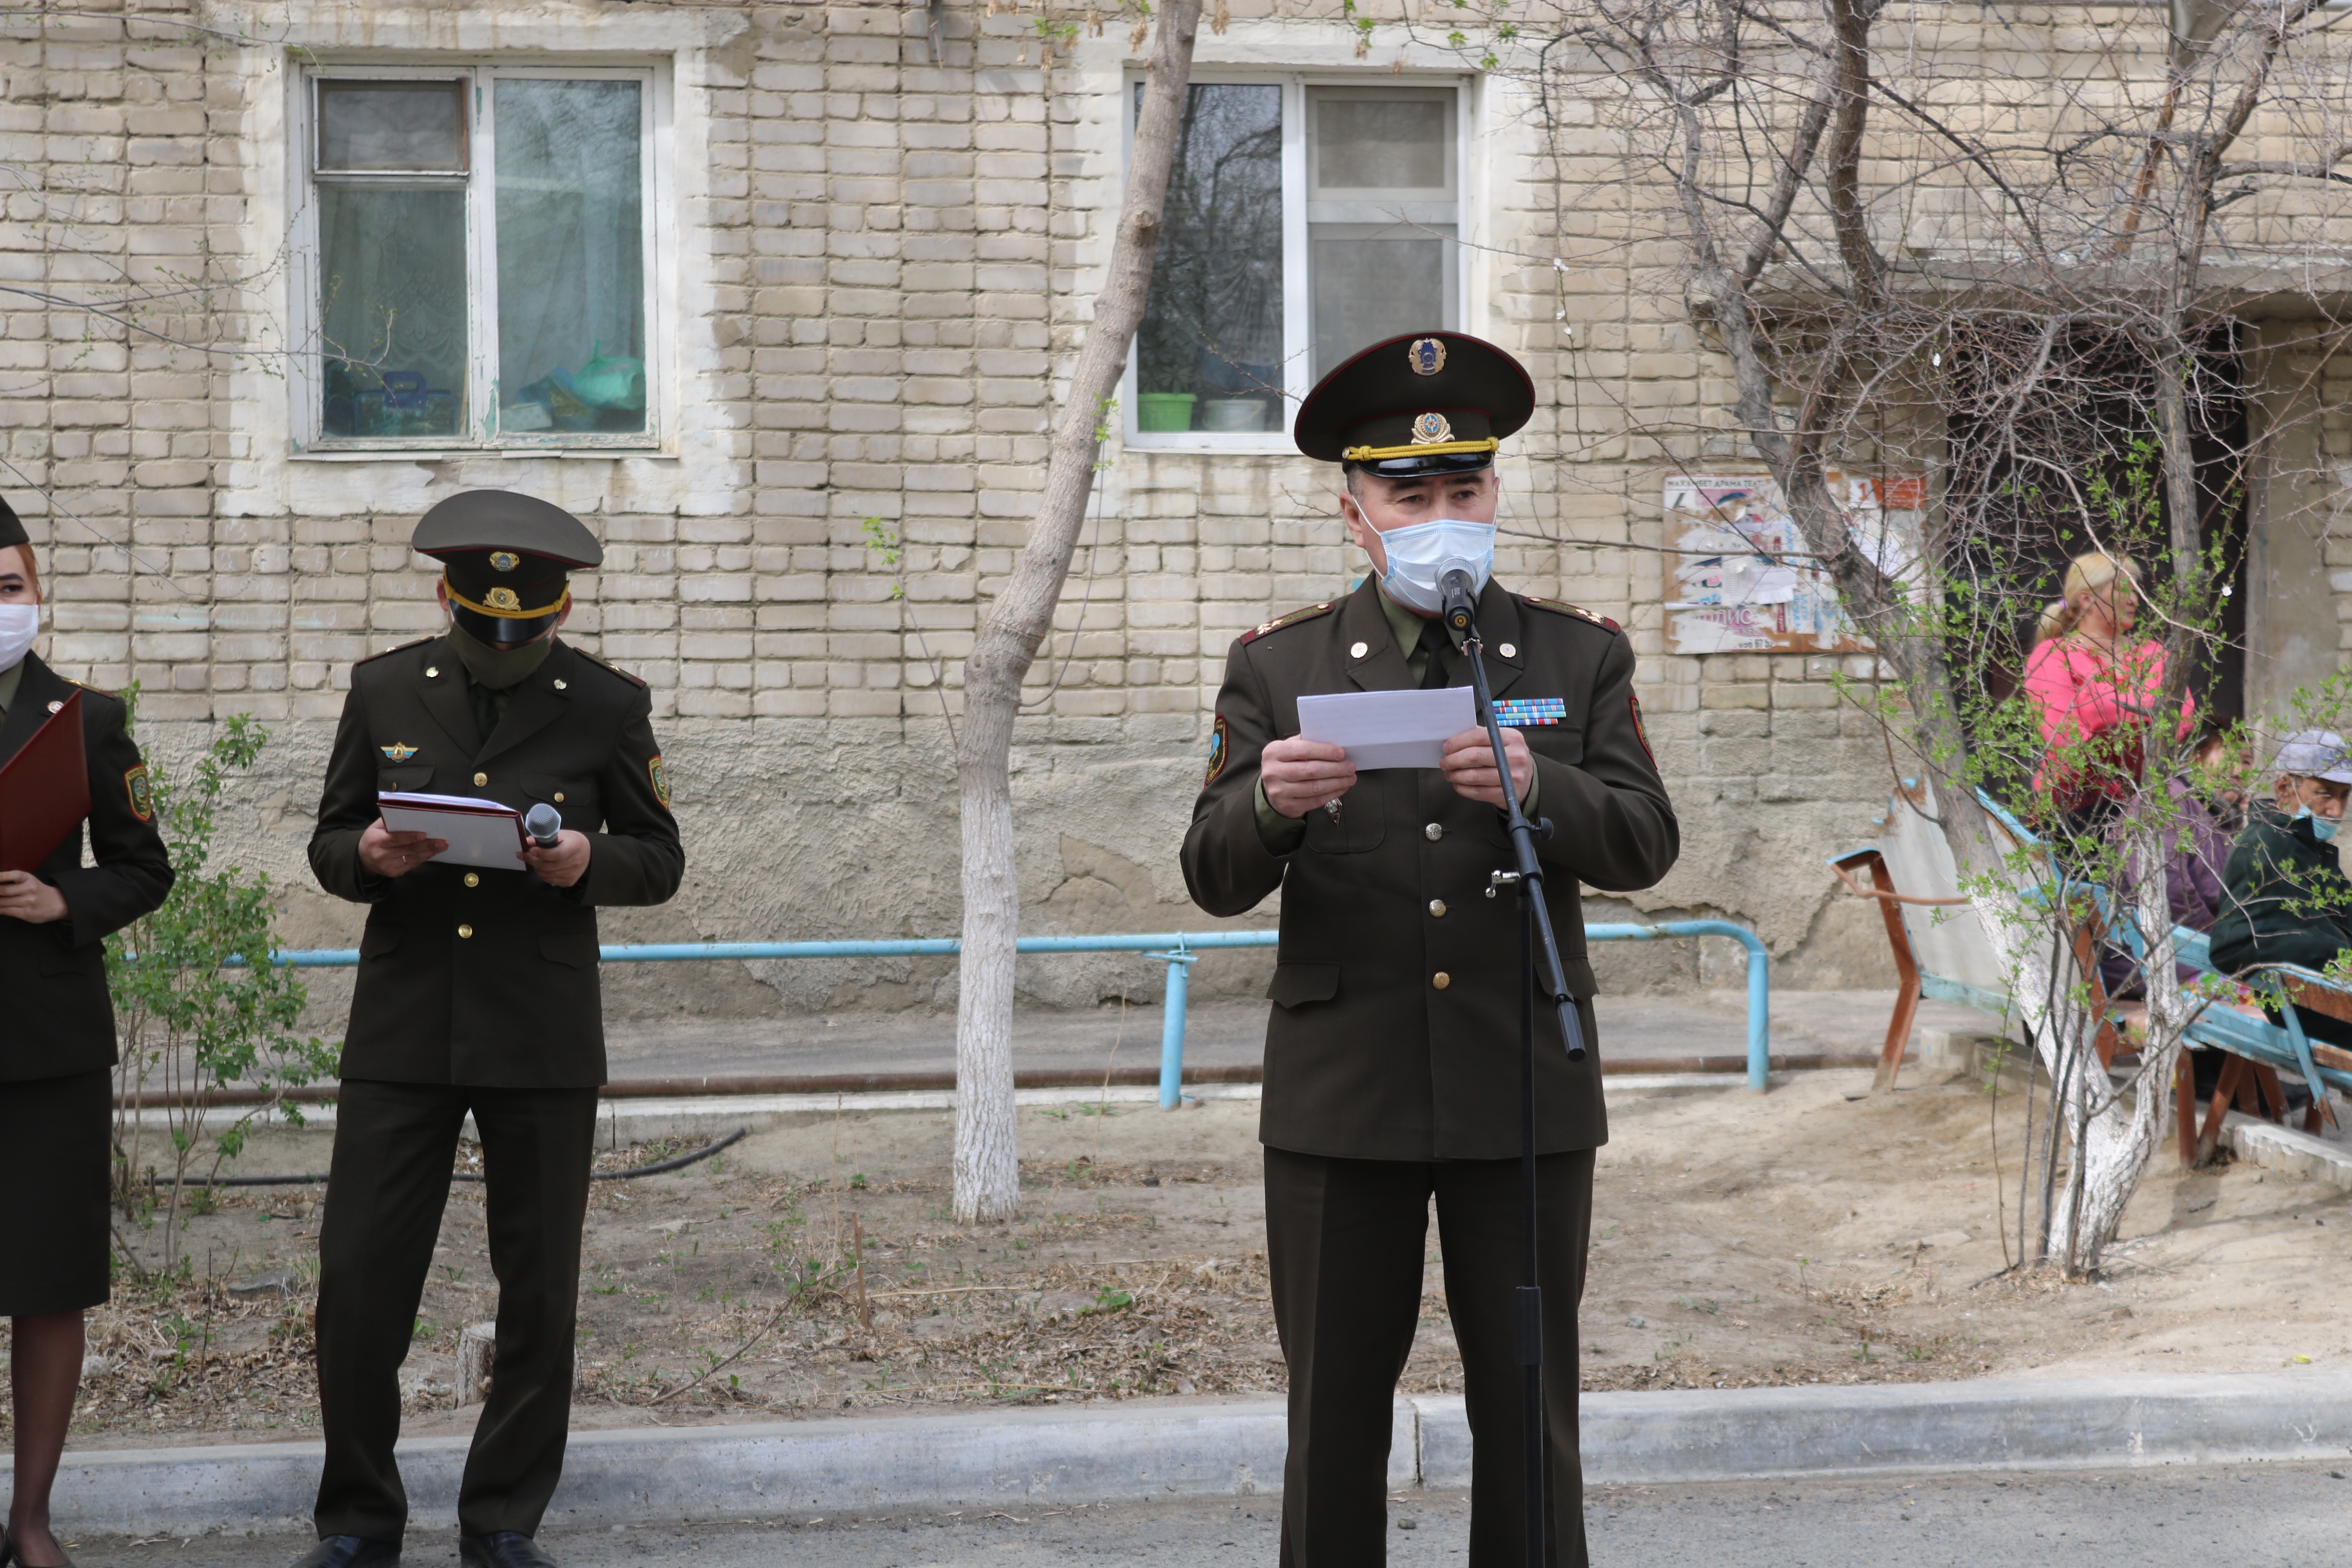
pixel 1389 728
pixel 475 837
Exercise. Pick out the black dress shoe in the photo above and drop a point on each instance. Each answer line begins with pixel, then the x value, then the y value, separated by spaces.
pixel 9 1555
pixel 351 1551
pixel 502 1549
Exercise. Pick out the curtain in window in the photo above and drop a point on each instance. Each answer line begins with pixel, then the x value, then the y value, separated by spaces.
pixel 391 291
pixel 570 256
pixel 1209 356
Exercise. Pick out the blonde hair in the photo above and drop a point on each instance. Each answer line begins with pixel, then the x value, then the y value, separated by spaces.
pixel 2085 575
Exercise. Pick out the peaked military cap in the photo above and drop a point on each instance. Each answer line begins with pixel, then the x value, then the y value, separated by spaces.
pixel 505 558
pixel 12 526
pixel 1427 403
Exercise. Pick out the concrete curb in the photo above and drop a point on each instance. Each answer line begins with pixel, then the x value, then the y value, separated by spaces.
pixel 2276 1148
pixel 1235 1449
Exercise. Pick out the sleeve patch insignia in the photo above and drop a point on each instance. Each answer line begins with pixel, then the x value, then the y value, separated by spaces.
pixel 1218 752
pixel 1520 712
pixel 660 780
pixel 1639 733
pixel 140 791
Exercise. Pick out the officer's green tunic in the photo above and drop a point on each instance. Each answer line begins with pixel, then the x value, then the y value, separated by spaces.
pixel 1392 1065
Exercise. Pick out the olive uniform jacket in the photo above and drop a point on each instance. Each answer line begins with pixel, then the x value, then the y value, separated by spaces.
pixel 1395 1030
pixel 485 977
pixel 60 1016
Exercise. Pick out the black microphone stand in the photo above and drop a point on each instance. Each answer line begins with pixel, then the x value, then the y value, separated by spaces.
pixel 1536 936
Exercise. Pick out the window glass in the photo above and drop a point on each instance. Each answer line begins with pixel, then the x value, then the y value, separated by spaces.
pixel 1384 143
pixel 1373 281
pixel 392 268
pixel 391 127
pixel 1209 356
pixel 570 257
pixel 1381 216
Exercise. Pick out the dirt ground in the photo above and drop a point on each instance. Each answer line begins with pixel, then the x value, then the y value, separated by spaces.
pixel 1812 1235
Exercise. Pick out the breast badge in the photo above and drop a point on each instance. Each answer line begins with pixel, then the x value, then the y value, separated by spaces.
pixel 1217 753
pixel 140 791
pixel 398 751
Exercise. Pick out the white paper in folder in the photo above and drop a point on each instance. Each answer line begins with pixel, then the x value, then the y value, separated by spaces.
pixel 1389 728
pixel 478 832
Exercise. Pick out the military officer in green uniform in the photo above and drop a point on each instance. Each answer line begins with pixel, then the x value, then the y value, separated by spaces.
pixel 1393 1049
pixel 476 994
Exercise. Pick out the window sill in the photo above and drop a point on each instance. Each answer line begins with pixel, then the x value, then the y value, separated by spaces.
pixel 1253 443
pixel 446 454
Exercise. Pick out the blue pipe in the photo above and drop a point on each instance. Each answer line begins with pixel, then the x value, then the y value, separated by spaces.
pixel 1177 948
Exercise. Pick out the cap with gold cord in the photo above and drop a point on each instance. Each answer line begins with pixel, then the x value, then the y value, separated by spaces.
pixel 506 559
pixel 1426 402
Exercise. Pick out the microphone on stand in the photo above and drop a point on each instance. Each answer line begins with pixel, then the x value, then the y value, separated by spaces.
pixel 542 821
pixel 1458 598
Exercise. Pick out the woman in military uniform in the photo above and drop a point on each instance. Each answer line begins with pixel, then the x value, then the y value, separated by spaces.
pixel 56 1056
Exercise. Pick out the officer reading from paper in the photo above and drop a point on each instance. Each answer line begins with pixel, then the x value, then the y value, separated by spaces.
pixel 1393 1050
pixel 477 993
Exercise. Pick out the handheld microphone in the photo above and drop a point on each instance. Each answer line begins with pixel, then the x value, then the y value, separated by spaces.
pixel 542 821
pixel 1457 597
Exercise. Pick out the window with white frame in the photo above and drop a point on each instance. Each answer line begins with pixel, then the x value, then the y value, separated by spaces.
pixel 1304 221
pixel 484 258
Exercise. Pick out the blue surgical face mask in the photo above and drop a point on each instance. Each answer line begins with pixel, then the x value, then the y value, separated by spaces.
pixel 1422 554
pixel 2322 827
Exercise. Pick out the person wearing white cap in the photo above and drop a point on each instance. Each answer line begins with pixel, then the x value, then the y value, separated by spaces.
pixel 2284 897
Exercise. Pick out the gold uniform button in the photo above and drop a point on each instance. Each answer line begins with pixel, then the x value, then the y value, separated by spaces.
pixel 1433 832
pixel 468 931
pixel 1360 650
pixel 473 879
pixel 1441 979
pixel 1507 651
pixel 481 779
pixel 1436 907
pixel 431 670
pixel 559 797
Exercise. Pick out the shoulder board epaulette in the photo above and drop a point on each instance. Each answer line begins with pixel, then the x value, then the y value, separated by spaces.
pixel 101 690
pixel 403 647
pixel 602 664
pixel 1561 607
pixel 1292 619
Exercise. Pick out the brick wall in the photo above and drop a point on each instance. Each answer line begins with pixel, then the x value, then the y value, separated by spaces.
pixel 882 265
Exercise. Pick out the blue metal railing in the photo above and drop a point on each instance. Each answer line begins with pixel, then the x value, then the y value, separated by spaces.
pixel 1178 950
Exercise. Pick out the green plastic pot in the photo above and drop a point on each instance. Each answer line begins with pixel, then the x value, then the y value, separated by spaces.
pixel 1163 411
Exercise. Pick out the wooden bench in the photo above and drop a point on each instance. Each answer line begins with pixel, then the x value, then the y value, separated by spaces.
pixel 2257 1049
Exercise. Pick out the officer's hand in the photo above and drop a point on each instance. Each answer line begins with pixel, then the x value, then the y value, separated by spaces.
pixel 1300 774
pixel 1469 767
pixel 390 854
pixel 25 897
pixel 564 865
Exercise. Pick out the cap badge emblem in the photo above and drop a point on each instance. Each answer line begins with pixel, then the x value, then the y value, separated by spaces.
pixel 1429 429
pixel 1427 356
pixel 502 599
pixel 399 751
pixel 504 559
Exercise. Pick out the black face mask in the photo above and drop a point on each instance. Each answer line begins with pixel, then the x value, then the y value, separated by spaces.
pixel 496 669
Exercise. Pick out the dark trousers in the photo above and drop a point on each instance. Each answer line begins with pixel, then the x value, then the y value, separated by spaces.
pixel 1345 1239
pixel 395 1143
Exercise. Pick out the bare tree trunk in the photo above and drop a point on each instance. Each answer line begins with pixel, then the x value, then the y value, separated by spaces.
pixel 987 1168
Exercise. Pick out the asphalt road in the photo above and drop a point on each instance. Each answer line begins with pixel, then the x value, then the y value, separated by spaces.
pixel 2257 1516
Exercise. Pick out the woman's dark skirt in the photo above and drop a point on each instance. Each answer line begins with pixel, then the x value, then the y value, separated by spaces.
pixel 55 1137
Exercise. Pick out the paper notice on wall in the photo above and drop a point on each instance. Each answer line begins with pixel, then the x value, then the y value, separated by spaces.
pixel 1745 581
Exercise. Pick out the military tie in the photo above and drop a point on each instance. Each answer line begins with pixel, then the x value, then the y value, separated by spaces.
pixel 1435 643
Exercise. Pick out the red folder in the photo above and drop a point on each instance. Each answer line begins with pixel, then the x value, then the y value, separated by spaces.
pixel 44 790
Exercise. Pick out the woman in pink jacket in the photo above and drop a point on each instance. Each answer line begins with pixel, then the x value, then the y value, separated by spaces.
pixel 2095 691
